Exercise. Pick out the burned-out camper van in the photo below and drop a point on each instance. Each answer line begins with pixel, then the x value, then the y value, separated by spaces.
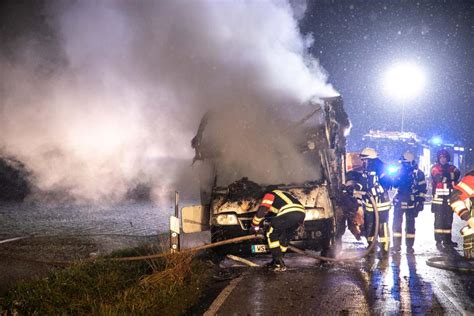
pixel 313 172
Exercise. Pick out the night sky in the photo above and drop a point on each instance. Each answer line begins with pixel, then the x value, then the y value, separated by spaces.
pixel 356 41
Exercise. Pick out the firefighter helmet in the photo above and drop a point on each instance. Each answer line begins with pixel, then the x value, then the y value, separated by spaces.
pixel 443 152
pixel 368 153
pixel 407 157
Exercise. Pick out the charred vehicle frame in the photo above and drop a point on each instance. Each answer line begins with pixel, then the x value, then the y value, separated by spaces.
pixel 227 211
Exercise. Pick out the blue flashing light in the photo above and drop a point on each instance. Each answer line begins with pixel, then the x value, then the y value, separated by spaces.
pixel 436 140
pixel 392 170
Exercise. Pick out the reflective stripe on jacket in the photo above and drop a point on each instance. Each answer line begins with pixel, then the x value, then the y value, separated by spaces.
pixel 462 197
pixel 444 177
pixel 278 202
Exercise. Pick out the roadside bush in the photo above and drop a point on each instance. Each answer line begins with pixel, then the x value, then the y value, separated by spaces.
pixel 167 286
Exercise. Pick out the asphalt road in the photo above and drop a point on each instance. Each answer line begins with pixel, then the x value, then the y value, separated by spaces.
pixel 375 285
pixel 394 285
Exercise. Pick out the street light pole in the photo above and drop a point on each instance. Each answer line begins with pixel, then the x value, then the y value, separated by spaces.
pixel 403 114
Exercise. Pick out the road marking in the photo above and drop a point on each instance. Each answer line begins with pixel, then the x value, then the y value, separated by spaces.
pixel 12 239
pixel 223 296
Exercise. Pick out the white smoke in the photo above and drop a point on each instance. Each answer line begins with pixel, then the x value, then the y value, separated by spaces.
pixel 120 100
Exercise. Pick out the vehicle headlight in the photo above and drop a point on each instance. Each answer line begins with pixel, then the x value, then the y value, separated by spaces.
pixel 227 219
pixel 312 214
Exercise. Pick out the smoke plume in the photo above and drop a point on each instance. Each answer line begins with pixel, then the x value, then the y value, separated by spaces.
pixel 97 97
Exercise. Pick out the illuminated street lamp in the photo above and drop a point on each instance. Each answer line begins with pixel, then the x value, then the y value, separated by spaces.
pixel 402 82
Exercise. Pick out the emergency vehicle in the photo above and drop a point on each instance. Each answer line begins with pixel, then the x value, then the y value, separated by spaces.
pixel 391 145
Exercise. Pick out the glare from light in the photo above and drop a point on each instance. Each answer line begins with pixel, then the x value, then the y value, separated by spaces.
pixel 392 170
pixel 436 140
pixel 404 80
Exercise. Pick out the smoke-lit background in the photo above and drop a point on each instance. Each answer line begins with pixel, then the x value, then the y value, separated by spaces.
pixel 97 97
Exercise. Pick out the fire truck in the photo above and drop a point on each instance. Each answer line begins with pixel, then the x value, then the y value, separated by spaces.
pixel 391 145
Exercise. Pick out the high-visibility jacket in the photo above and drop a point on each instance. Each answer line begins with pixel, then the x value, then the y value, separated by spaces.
pixel 461 200
pixel 278 202
pixel 370 182
pixel 354 186
pixel 444 178
pixel 375 183
pixel 411 187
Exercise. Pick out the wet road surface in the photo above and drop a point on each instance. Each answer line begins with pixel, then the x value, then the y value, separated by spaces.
pixel 400 284
pixel 377 285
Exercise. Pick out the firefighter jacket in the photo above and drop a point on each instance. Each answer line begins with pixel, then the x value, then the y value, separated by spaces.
pixel 462 198
pixel 376 183
pixel 354 187
pixel 277 202
pixel 354 180
pixel 411 187
pixel 444 178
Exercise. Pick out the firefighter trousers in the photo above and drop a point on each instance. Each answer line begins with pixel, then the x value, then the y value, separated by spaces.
pixel 410 215
pixel 282 229
pixel 384 235
pixel 443 221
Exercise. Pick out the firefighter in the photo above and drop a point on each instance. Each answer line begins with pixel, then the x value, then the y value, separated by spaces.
pixel 289 214
pixel 353 197
pixel 444 176
pixel 411 189
pixel 350 199
pixel 375 183
pixel 461 201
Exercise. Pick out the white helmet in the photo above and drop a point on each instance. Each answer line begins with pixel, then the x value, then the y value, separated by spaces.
pixel 368 153
pixel 407 157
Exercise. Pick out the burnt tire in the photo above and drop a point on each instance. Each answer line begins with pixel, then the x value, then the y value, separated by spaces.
pixel 328 248
pixel 216 236
pixel 239 249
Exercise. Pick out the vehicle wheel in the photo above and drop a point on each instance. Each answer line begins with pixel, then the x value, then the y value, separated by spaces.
pixel 216 236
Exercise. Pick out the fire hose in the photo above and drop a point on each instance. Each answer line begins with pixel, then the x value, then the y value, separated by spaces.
pixel 452 263
pixel 259 236
pixel 251 237
pixel 453 260
pixel 354 258
pixel 195 249
pixel 146 257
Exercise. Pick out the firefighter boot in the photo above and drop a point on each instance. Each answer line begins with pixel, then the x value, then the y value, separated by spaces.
pixel 278 265
pixel 270 264
pixel 448 242
pixel 384 249
pixel 384 246
pixel 439 246
pixel 397 241
pixel 409 242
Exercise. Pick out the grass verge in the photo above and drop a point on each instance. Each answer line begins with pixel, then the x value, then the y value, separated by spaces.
pixel 167 286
